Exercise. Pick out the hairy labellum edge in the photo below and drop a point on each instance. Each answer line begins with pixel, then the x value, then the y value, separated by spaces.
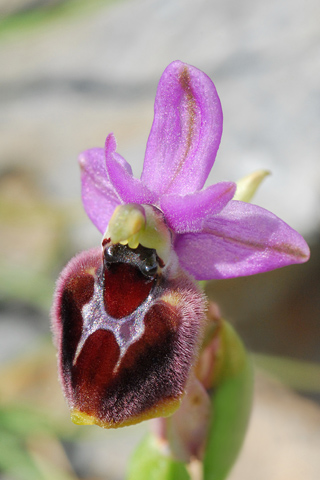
pixel 131 368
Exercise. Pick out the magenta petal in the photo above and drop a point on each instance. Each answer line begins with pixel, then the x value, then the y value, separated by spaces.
pixel 186 131
pixel 99 196
pixel 241 240
pixel 186 213
pixel 130 189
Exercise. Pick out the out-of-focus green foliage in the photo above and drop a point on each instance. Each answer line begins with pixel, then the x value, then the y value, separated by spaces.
pixel 21 428
pixel 297 374
pixel 34 240
pixel 25 20
pixel 231 405
pixel 32 287
pixel 150 461
pixel 32 419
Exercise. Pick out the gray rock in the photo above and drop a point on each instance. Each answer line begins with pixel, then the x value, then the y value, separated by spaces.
pixel 64 87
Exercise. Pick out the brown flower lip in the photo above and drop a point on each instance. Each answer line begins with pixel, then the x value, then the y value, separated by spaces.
pixel 126 338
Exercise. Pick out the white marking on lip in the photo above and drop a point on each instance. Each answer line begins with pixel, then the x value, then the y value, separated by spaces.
pixel 127 330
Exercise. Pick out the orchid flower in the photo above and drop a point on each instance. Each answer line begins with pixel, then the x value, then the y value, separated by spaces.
pixel 128 317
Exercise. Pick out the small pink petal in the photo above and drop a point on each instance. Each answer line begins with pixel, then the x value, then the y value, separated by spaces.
pixel 130 189
pixel 186 213
pixel 99 196
pixel 185 134
pixel 243 239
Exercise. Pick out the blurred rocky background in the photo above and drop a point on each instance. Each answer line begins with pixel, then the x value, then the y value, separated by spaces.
pixel 73 71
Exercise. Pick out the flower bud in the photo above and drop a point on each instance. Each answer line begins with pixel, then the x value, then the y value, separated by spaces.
pixel 248 185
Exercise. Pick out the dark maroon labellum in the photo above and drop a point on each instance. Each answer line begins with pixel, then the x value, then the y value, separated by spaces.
pixel 129 276
pixel 127 333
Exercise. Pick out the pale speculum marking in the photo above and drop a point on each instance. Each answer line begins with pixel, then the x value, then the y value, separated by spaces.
pixel 126 330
